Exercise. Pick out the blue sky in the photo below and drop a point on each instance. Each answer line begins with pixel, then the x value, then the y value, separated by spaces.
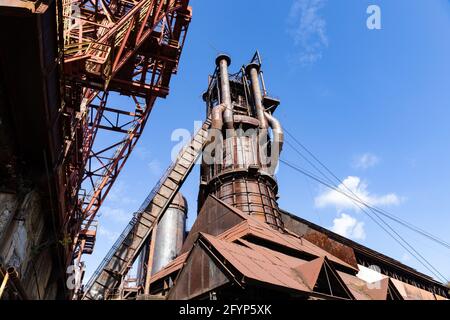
pixel 373 105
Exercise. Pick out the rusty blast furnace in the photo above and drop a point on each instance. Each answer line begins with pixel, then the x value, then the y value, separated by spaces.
pixel 64 139
pixel 239 160
pixel 242 245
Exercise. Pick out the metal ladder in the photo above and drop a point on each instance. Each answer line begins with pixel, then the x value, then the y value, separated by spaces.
pixel 125 250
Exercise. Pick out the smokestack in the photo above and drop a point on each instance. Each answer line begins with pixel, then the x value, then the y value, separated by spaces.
pixel 252 70
pixel 223 61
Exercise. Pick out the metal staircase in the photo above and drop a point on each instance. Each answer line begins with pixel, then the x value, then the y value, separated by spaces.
pixel 125 250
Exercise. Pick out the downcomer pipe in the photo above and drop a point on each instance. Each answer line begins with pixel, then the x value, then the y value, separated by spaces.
pixel 217 118
pixel 278 139
pixel 252 69
pixel 277 130
pixel 223 61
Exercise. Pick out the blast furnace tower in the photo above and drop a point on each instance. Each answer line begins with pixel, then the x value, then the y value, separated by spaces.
pixel 239 161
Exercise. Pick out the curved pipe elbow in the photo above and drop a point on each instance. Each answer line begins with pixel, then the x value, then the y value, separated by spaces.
pixel 277 130
pixel 217 118
pixel 228 117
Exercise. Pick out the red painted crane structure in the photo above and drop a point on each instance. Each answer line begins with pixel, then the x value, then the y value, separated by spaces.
pixel 110 48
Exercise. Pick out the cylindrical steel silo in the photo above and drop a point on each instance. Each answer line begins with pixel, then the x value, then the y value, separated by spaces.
pixel 170 233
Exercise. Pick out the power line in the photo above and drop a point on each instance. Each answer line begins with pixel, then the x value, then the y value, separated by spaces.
pixel 412 251
pixel 373 209
pixel 379 210
pixel 358 200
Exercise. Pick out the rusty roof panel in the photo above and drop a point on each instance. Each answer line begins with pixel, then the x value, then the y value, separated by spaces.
pixel 410 292
pixel 213 218
pixel 255 264
pixel 252 226
pixel 337 249
pixel 366 291
pixel 173 266
pixel 199 275
pixel 310 271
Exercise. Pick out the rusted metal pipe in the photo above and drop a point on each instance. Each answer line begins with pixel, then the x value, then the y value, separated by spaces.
pixel 216 117
pixel 277 143
pixel 253 70
pixel 223 61
pixel 14 277
pixel 277 131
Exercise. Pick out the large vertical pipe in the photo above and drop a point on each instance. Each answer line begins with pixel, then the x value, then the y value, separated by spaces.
pixel 170 233
pixel 252 70
pixel 223 61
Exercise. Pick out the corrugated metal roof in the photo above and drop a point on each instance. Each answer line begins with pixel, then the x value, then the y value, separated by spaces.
pixel 258 264
pixel 252 226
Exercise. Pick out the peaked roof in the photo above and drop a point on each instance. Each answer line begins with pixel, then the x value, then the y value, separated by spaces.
pixel 262 265
pixel 253 264
pixel 362 290
pixel 361 248
pixel 410 292
pixel 309 271
pixel 255 253
pixel 253 227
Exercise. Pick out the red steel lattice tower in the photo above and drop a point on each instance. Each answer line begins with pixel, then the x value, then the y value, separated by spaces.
pixel 110 48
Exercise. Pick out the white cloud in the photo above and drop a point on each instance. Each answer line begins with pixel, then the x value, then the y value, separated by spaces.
pixel 118 195
pixel 366 161
pixel 155 167
pixel 349 227
pixel 354 187
pixel 142 152
pixel 308 30
pixel 108 234
pixel 115 214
